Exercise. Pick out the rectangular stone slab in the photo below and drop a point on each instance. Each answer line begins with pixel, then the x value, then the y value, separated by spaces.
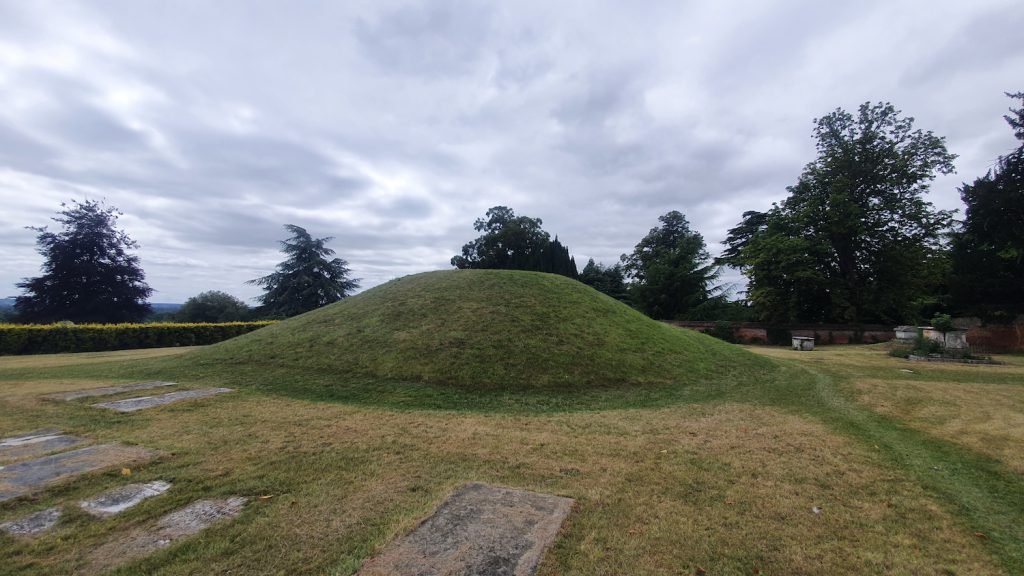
pixel 120 499
pixel 480 529
pixel 108 390
pixel 179 524
pixel 26 477
pixel 33 524
pixel 143 402
pixel 35 444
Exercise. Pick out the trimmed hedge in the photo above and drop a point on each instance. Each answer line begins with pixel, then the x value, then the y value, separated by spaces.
pixel 55 338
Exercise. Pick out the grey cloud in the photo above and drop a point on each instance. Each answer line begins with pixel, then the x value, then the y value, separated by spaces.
pixel 427 40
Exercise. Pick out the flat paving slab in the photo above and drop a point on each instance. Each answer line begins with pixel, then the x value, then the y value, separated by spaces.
pixel 120 499
pixel 108 390
pixel 143 402
pixel 33 524
pixel 27 477
pixel 179 524
pixel 35 444
pixel 480 529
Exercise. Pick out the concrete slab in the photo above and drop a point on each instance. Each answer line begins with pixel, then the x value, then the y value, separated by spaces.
pixel 27 477
pixel 33 524
pixel 108 390
pixel 120 499
pixel 480 529
pixel 35 444
pixel 182 523
pixel 143 402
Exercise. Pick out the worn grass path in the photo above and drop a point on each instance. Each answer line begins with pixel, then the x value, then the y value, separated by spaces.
pixel 986 493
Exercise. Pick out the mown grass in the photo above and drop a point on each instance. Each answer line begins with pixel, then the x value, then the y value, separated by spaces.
pixel 723 486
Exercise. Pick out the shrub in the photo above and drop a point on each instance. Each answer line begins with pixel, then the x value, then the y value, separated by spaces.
pixel 56 338
pixel 724 330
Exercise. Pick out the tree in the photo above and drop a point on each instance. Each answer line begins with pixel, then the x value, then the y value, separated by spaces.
pixel 88 274
pixel 610 280
pixel 306 280
pixel 988 249
pixel 513 242
pixel 854 241
pixel 212 306
pixel 671 270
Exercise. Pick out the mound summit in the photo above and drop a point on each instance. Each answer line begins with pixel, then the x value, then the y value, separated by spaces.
pixel 486 329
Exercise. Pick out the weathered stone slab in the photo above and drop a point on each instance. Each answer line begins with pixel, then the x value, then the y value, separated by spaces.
pixel 33 524
pixel 179 524
pixel 108 390
pixel 480 529
pixel 35 444
pixel 26 477
pixel 120 499
pixel 143 402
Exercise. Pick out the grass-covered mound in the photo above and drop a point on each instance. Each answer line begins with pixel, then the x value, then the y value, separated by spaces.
pixel 481 330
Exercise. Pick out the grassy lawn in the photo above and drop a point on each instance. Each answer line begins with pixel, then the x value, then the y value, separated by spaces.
pixel 721 477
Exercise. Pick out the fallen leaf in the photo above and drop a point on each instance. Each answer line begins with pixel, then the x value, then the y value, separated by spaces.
pixel 980 535
pixel 267 497
pixel 126 471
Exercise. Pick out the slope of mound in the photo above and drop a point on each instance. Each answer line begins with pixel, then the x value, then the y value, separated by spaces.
pixel 485 329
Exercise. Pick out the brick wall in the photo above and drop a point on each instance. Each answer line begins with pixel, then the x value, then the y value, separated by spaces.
pixel 758 333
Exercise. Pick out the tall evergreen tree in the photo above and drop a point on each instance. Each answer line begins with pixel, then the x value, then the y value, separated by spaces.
pixel 855 241
pixel 513 242
pixel 306 280
pixel 671 270
pixel 88 273
pixel 988 250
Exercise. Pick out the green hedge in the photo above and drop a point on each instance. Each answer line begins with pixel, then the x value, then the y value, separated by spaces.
pixel 54 338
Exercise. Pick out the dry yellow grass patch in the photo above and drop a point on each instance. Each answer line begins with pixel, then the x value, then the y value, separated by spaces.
pixel 988 418
pixel 977 406
pixel 729 488
pixel 54 360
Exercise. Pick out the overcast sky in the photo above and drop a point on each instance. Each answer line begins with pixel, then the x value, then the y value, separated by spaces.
pixel 393 125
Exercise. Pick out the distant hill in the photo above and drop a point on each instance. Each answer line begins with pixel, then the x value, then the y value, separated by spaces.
pixel 157 306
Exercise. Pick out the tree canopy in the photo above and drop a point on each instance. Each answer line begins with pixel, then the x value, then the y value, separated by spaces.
pixel 513 242
pixel 212 306
pixel 855 241
pixel 988 249
pixel 610 280
pixel 88 273
pixel 671 270
pixel 306 280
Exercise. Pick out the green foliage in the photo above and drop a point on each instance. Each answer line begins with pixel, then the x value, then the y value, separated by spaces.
pixel 854 242
pixel 724 330
pixel 88 274
pixel 671 270
pixel 511 242
pixel 212 306
pixel 988 250
pixel 500 330
pixel 943 323
pixel 610 280
pixel 65 337
pixel 306 280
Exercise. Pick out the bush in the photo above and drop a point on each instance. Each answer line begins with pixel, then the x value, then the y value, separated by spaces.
pixel 724 330
pixel 57 338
